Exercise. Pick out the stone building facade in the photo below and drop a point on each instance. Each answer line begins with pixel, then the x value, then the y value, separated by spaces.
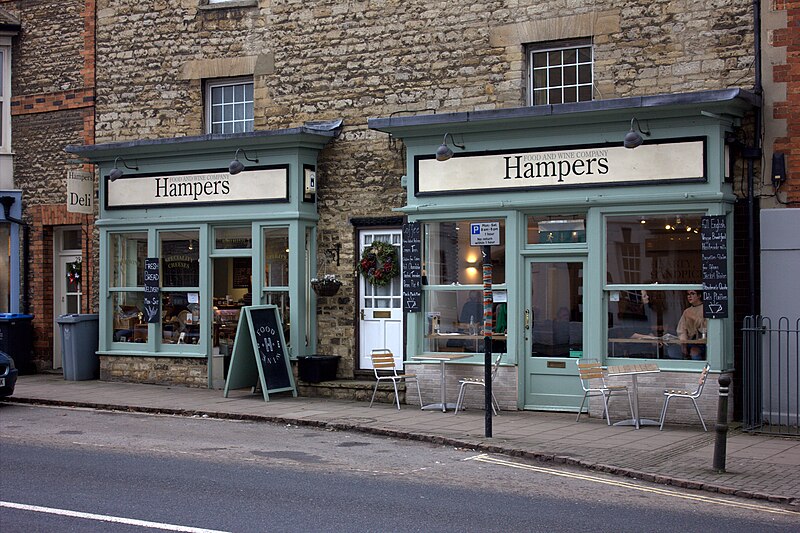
pixel 328 60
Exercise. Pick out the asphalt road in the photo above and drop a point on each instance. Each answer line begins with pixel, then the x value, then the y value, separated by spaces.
pixel 129 472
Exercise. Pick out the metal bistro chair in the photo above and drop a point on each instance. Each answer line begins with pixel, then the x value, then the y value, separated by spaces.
pixel 692 395
pixel 384 360
pixel 593 382
pixel 482 383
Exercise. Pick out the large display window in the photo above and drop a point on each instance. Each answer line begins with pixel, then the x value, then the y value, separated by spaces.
pixel 654 276
pixel 127 253
pixel 276 273
pixel 453 288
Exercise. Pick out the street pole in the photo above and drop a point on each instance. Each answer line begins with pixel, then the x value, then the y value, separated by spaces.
pixel 487 336
pixel 720 444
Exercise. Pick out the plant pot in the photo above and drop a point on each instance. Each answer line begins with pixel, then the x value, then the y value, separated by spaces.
pixel 326 289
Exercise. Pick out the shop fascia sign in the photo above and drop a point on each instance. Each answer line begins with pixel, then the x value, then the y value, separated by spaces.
pixel 577 166
pixel 259 185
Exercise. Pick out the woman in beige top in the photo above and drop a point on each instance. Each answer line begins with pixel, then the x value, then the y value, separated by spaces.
pixel 693 326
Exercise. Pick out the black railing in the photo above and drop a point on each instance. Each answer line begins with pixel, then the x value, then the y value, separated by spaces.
pixel 771 375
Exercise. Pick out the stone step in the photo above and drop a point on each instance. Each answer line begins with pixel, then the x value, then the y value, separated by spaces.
pixel 356 390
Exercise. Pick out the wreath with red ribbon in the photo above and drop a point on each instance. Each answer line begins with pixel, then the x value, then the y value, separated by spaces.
pixel 379 264
pixel 74 271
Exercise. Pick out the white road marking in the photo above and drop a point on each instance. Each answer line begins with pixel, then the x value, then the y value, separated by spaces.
pixel 484 458
pixel 106 518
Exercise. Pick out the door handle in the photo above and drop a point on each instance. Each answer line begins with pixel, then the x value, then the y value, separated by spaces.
pixel 362 314
pixel 527 319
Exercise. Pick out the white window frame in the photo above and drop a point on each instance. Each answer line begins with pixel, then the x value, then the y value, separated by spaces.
pixel 218 83
pixel 5 95
pixel 560 46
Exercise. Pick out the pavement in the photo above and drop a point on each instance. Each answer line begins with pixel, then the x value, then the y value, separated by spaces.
pixel 758 466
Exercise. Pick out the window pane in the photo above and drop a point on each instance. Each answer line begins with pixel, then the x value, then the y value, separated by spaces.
pixel 449 258
pixel 540 78
pixel 555 96
pixel 584 73
pixel 72 239
pixel 227 127
pixel 181 316
pixel 570 56
pixel 540 97
pixel 128 317
pixel 216 113
pixel 570 94
pixel 585 54
pixel 455 321
pixel 216 95
pixel 556 229
pixel 276 257
pixel 248 92
pixel 557 309
pixel 238 93
pixel 585 93
pixel 281 299
pixel 180 254
pixel 654 249
pixel 540 59
pixel 654 324
pixel 555 76
pixel 570 75
pixel 238 112
pixel 227 94
pixel 554 57
pixel 234 238
pixel 127 254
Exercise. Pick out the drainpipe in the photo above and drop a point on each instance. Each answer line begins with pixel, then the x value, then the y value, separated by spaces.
pixel 751 154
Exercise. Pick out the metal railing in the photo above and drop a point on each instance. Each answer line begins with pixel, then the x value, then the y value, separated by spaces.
pixel 771 375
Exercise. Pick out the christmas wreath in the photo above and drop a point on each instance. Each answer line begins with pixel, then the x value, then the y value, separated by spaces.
pixel 74 271
pixel 379 264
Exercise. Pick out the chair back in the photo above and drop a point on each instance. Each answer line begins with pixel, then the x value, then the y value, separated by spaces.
pixel 702 382
pixel 589 369
pixel 383 359
pixel 496 366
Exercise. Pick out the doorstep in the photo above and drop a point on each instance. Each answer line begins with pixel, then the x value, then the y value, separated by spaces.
pixel 348 389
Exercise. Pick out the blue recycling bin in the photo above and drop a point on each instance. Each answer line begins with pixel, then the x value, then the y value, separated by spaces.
pixel 16 334
pixel 79 342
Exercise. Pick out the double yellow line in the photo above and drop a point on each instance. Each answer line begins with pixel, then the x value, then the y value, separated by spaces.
pixel 484 458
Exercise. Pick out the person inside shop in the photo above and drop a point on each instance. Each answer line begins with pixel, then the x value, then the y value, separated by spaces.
pixel 692 326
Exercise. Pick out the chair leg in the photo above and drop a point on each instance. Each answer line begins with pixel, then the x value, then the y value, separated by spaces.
pixel 605 406
pixel 664 412
pixel 460 397
pixel 421 405
pixel 699 415
pixel 580 409
pixel 374 392
pixel 630 404
pixel 496 411
pixel 396 394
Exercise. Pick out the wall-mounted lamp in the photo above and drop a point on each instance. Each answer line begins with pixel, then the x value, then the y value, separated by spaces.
pixel 237 166
pixel 116 172
pixel 632 138
pixel 333 253
pixel 443 153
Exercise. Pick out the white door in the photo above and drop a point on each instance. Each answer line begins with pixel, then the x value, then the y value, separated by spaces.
pixel 380 308
pixel 67 283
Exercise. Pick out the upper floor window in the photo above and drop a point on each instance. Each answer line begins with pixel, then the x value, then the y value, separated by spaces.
pixel 229 106
pixel 560 73
pixel 5 99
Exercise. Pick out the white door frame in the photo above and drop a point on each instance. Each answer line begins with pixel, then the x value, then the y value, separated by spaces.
pixel 380 309
pixel 61 295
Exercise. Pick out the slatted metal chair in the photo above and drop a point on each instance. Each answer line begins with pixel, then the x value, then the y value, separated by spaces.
pixel 383 360
pixel 481 382
pixel 692 395
pixel 593 382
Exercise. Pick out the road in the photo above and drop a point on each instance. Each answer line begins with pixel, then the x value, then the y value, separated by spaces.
pixel 84 470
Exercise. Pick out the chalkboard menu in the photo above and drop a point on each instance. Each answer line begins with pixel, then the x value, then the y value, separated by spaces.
pixel 241 272
pixel 412 267
pixel 714 237
pixel 152 301
pixel 259 353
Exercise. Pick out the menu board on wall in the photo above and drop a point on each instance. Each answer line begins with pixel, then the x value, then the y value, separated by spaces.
pixel 714 237
pixel 151 298
pixel 241 272
pixel 412 267
pixel 259 354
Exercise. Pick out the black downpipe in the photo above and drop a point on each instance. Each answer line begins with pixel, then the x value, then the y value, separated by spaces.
pixel 752 154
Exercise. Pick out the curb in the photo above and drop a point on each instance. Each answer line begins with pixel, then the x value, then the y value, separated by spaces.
pixel 660 479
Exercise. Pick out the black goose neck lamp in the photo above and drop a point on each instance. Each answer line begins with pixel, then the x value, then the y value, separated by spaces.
pixel 632 138
pixel 237 166
pixel 116 172
pixel 443 153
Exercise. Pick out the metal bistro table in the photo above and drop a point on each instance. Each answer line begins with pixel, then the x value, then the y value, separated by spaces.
pixel 442 359
pixel 633 371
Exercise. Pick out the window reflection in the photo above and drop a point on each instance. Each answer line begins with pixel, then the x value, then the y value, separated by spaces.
pixel 449 259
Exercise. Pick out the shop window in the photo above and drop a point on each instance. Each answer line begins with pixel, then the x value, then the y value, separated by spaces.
pixel 653 249
pixel 181 308
pixel 645 319
pixel 5 99
pixel 560 72
pixel 556 229
pixel 229 106
pixel 656 324
pixel 233 238
pixel 127 253
pixel 453 291
pixel 276 257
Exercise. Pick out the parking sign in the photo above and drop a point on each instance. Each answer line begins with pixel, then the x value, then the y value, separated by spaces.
pixel 484 234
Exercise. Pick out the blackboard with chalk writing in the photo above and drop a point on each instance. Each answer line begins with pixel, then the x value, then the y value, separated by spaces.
pixel 259 353
pixel 714 250
pixel 412 268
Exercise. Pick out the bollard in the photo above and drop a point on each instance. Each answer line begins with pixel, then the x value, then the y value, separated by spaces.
pixel 720 444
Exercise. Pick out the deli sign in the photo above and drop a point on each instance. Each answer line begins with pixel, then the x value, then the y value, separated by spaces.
pixel 185 190
pixel 580 166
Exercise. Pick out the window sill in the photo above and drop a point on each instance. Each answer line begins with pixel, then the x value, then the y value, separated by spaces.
pixel 231 4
